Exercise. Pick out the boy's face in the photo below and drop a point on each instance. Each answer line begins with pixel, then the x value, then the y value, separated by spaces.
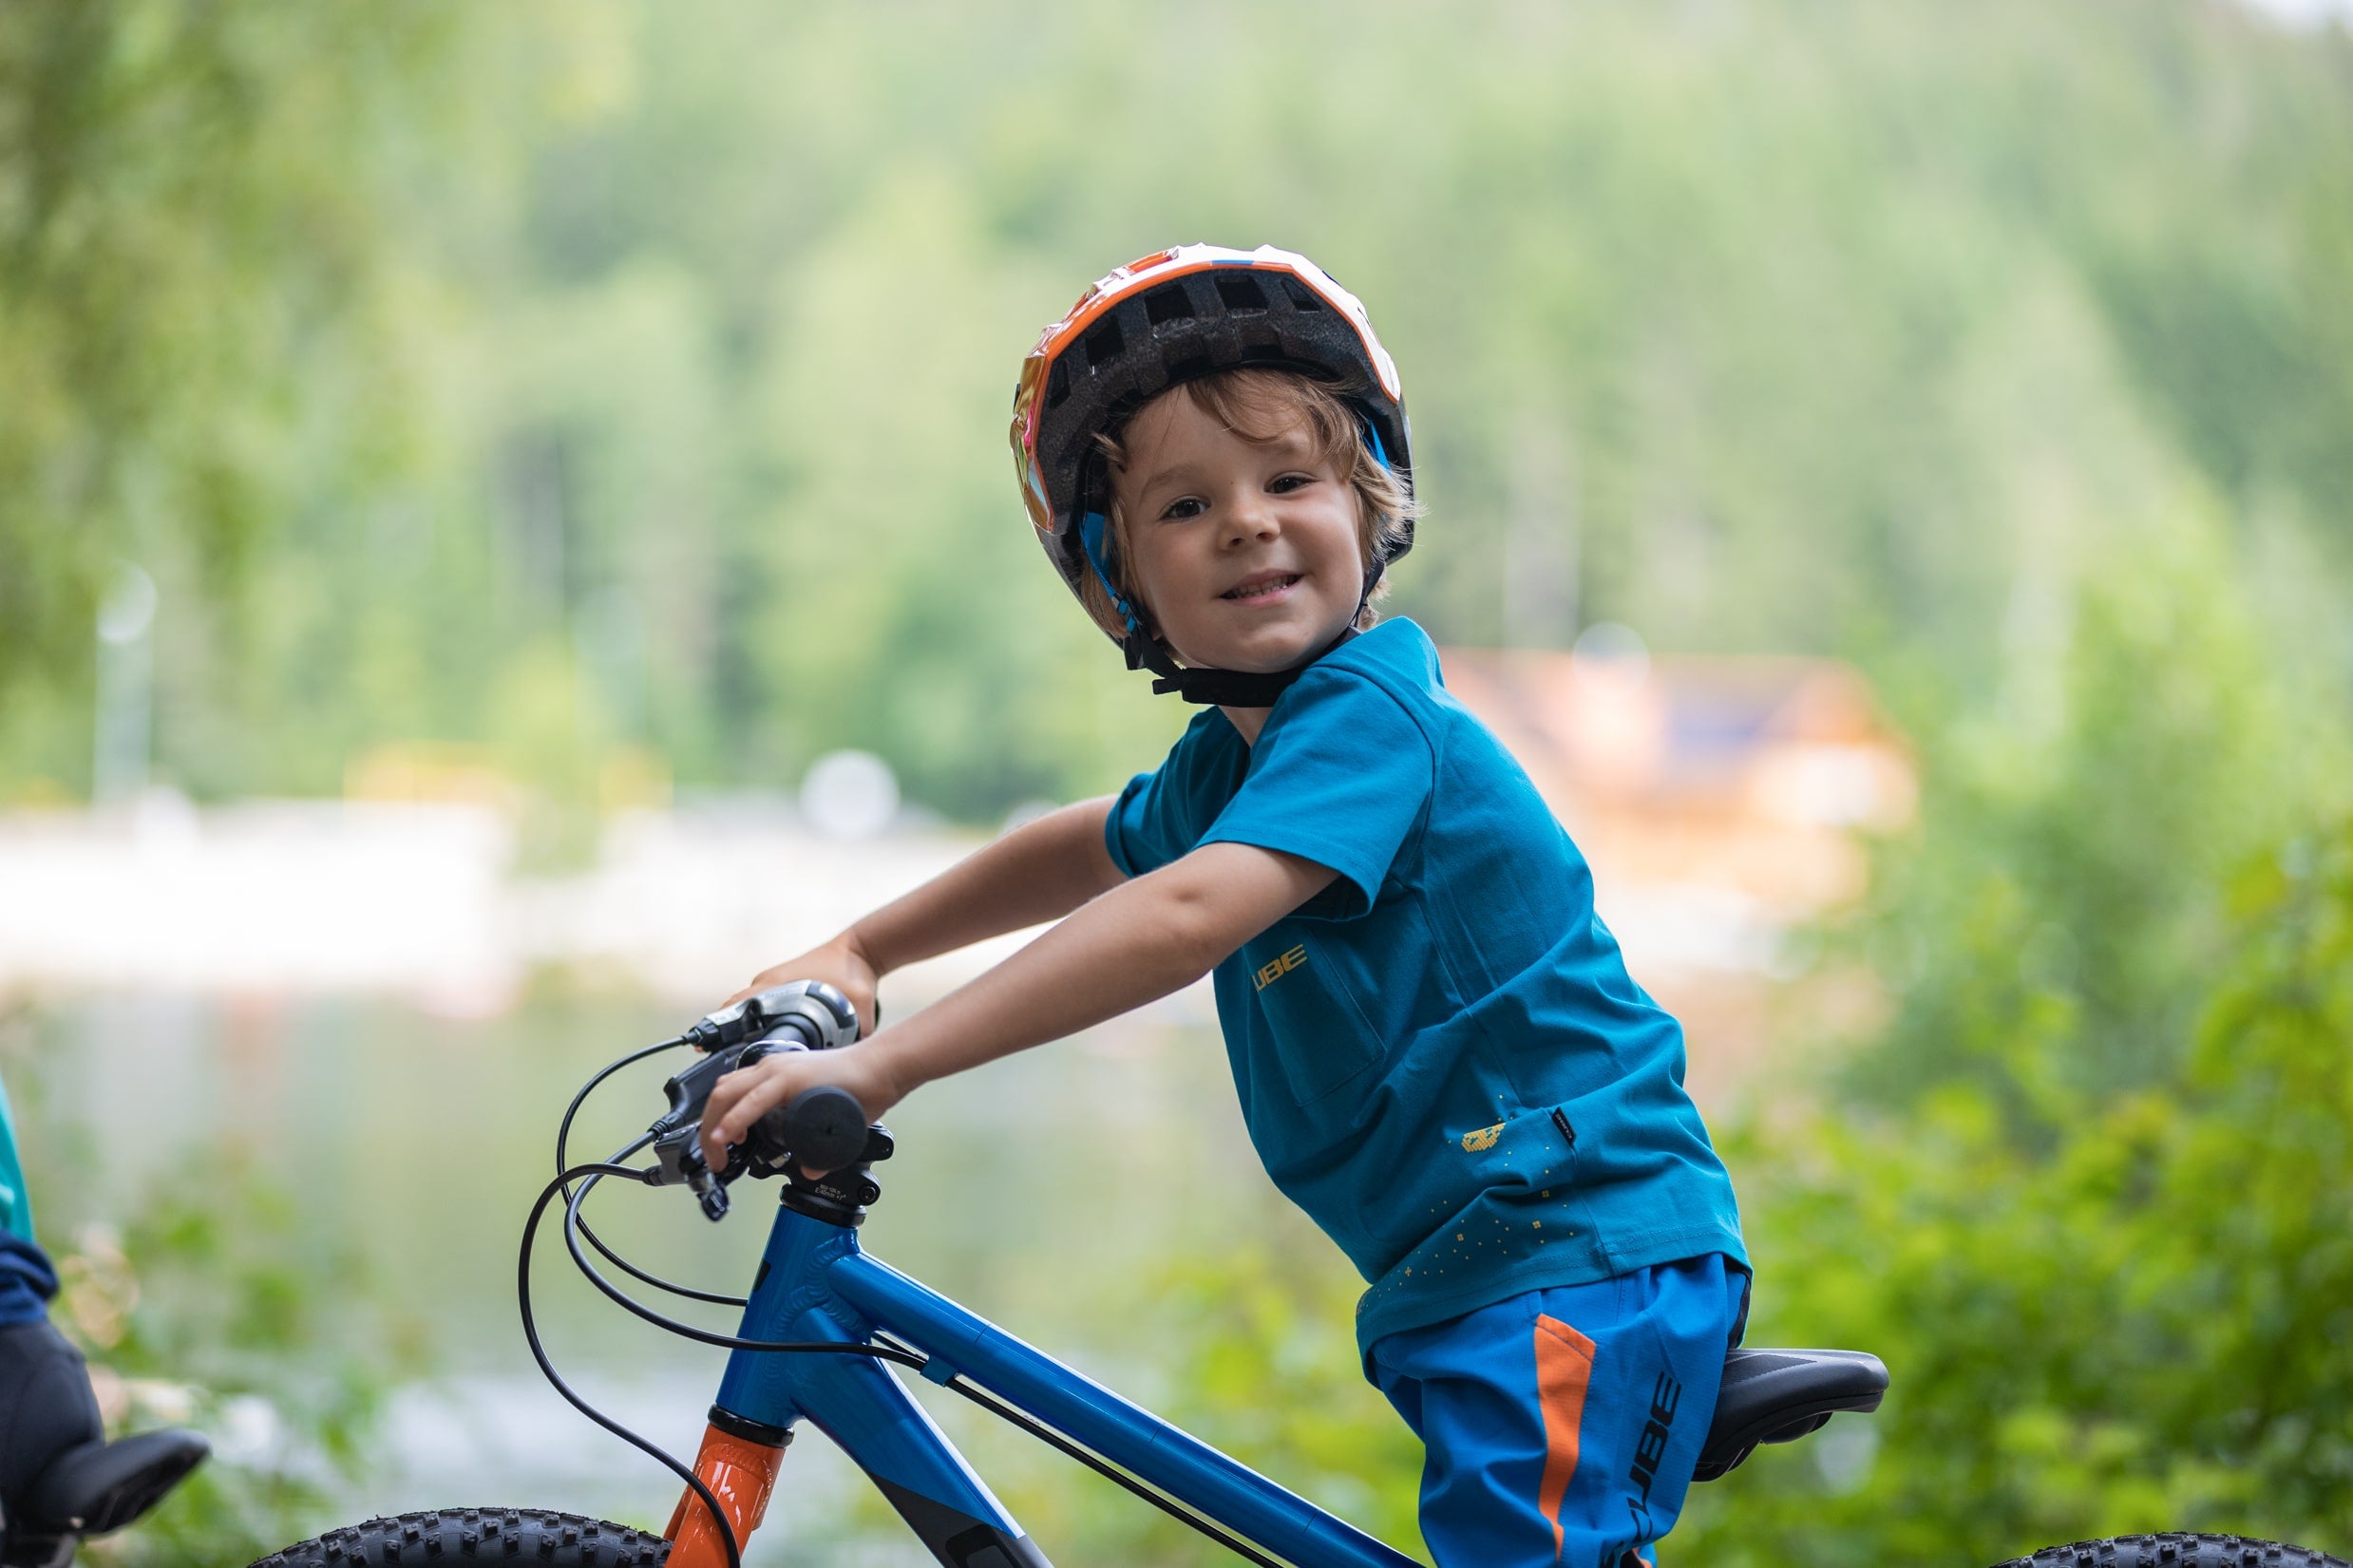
pixel 1245 550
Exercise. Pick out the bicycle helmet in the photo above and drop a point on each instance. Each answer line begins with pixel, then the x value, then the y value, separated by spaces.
pixel 1167 318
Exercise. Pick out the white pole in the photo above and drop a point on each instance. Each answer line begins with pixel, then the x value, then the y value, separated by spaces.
pixel 125 688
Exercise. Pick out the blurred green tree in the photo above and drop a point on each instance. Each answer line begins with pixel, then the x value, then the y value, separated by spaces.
pixel 194 226
pixel 684 338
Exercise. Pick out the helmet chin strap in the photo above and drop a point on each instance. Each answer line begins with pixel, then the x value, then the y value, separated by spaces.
pixel 1231 687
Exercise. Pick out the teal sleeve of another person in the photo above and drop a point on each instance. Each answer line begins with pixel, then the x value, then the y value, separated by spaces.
pixel 15 1203
pixel 27 1280
pixel 1440 1057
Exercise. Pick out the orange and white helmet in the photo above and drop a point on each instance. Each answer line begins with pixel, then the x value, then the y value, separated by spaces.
pixel 1170 318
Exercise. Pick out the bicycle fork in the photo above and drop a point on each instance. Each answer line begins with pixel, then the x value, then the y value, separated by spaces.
pixel 740 1469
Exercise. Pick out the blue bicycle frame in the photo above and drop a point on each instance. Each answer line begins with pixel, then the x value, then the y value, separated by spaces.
pixel 815 1283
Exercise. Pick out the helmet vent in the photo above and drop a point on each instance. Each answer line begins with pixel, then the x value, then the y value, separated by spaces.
pixel 1059 385
pixel 1240 292
pixel 1302 295
pixel 1104 344
pixel 1167 303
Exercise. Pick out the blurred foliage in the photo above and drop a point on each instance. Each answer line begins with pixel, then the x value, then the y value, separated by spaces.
pixel 212 1299
pixel 1271 1376
pixel 196 212
pixel 215 1306
pixel 2052 932
pixel 2086 1189
pixel 641 375
pixel 2140 1324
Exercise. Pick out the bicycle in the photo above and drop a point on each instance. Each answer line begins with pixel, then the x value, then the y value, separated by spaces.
pixel 850 1315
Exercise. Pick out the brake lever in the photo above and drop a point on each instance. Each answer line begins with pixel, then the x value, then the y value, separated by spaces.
pixel 801 1015
pixel 677 1133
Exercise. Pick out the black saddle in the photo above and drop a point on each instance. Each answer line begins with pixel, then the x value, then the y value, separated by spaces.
pixel 1778 1396
pixel 97 1487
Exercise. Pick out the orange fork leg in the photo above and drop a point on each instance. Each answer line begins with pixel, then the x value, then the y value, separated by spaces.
pixel 740 1474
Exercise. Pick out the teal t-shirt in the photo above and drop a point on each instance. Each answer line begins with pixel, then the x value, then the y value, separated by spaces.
pixel 1441 1057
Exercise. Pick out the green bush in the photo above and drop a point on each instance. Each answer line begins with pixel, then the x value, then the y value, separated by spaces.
pixel 215 1308
pixel 2138 1323
pixel 2086 1188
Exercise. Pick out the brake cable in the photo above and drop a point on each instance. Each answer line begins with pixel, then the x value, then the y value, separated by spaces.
pixel 563 1135
pixel 539 1353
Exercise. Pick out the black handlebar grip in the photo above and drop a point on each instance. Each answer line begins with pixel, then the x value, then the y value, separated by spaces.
pixel 824 1128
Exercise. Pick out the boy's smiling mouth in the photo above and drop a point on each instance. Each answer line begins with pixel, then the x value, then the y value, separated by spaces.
pixel 1261 585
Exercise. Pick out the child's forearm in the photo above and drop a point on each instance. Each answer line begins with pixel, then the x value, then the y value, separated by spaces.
pixel 1038 872
pixel 1135 944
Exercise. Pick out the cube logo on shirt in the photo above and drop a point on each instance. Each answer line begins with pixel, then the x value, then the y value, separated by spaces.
pixel 1277 968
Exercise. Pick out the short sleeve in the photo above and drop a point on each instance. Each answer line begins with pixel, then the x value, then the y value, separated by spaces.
pixel 1341 775
pixel 1160 815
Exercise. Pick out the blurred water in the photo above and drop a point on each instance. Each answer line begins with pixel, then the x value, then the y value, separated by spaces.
pixel 1034 1191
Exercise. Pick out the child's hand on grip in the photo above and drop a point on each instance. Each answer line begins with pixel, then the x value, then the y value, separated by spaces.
pixel 740 1098
pixel 839 963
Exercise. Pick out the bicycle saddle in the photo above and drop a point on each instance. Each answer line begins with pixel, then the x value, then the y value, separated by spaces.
pixel 1778 1396
pixel 101 1486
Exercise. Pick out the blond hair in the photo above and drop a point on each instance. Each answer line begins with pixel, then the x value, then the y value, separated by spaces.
pixel 1262 405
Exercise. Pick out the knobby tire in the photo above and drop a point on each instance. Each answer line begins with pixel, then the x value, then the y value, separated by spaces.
pixel 530 1536
pixel 2177 1551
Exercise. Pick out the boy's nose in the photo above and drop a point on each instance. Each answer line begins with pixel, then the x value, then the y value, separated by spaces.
pixel 1249 519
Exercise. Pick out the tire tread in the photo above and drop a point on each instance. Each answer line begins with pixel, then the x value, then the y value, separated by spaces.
pixel 2177 1551
pixel 477 1535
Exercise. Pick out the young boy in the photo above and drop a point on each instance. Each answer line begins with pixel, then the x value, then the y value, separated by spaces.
pixel 1440 1055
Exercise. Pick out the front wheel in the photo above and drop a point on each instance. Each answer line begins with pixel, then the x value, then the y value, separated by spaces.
pixel 2170 1551
pixel 470 1535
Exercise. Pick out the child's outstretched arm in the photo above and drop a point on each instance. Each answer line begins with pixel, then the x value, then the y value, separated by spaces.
pixel 1135 943
pixel 1038 872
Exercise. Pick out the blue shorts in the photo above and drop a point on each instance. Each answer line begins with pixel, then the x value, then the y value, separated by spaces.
pixel 1563 1425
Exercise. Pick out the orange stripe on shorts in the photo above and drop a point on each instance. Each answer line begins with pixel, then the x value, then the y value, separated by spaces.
pixel 1563 1368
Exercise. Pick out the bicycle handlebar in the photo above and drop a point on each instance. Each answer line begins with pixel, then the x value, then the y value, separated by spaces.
pixel 823 1128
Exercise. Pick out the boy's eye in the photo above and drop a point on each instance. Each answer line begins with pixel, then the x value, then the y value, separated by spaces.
pixel 1183 507
pixel 1285 484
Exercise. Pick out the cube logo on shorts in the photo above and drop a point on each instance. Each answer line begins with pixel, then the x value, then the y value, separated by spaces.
pixel 1275 969
pixel 1666 1395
